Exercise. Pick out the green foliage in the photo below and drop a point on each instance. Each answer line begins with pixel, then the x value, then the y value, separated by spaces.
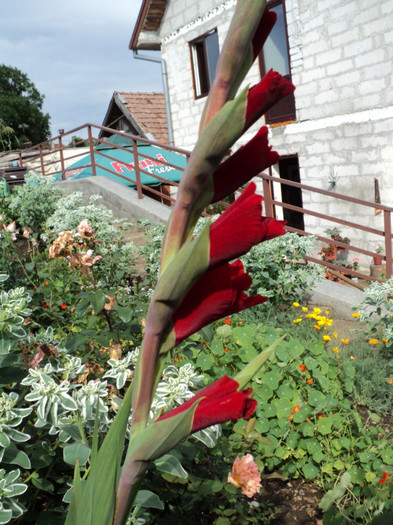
pixel 21 107
pixel 32 203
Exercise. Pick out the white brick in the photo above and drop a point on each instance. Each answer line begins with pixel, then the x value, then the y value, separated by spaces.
pixel 330 56
pixel 371 86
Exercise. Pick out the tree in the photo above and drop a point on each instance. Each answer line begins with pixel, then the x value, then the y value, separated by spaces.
pixel 21 108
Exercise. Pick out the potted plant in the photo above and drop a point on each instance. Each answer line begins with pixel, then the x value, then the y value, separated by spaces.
pixel 378 260
pixel 329 253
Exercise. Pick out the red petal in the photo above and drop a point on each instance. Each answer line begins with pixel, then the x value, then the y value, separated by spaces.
pixel 265 26
pixel 217 293
pixel 246 163
pixel 221 402
pixel 241 227
pixel 261 97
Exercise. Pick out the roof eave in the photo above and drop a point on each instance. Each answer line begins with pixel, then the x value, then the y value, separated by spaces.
pixel 140 38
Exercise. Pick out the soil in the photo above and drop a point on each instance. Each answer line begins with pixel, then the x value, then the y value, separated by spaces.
pixel 296 500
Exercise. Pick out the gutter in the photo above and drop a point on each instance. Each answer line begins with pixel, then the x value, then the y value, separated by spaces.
pixel 164 73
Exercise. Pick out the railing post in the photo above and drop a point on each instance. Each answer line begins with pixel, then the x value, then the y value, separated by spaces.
pixel 388 242
pixel 268 197
pixel 137 171
pixel 91 147
pixel 41 160
pixel 61 158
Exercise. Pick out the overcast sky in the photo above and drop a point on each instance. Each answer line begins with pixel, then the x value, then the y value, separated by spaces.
pixel 76 53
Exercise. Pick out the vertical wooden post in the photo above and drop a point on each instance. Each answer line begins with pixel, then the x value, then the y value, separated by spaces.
pixel 268 197
pixel 91 147
pixel 137 171
pixel 388 242
pixel 41 160
pixel 61 158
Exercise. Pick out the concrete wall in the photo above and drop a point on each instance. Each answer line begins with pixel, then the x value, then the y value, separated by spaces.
pixel 341 63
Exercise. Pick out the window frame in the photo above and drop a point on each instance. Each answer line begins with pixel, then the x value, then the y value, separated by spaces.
pixel 201 83
pixel 285 110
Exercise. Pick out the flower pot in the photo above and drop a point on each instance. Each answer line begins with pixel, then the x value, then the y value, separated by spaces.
pixel 377 260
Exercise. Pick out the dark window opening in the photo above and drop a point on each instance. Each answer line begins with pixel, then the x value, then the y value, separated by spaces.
pixel 289 170
pixel 204 58
pixel 275 55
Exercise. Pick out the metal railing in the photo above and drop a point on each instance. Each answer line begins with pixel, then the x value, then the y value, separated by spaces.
pixel 53 157
pixel 42 156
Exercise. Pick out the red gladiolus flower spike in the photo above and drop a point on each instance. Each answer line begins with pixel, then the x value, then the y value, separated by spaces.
pixel 221 402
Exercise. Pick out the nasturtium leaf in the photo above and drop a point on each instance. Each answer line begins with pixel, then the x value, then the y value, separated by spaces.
pixel 307 429
pixel 310 471
pixel 217 347
pixel 204 361
pixel 243 335
pixel 265 392
pixel 296 348
pixel 272 379
pixel 247 353
pixel 324 425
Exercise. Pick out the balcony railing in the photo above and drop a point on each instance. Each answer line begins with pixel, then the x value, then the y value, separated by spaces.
pixel 53 157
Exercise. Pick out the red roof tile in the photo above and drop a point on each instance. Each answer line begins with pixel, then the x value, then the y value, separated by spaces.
pixel 148 111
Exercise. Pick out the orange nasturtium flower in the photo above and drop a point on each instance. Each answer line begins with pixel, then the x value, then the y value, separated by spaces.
pixel 373 342
pixel 302 367
pixel 227 320
pixel 353 357
pixel 63 306
pixel 310 381
pixel 321 414
pixel 390 381
pixel 245 475
pixel 44 304
pixel 295 409
pixel 384 478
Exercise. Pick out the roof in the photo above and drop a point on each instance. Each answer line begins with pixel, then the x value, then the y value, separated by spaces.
pixel 149 20
pixel 145 112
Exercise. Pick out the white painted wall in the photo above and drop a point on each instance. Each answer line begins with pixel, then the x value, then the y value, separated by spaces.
pixel 341 63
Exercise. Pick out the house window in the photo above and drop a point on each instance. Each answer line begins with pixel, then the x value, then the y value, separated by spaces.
pixel 275 55
pixel 204 58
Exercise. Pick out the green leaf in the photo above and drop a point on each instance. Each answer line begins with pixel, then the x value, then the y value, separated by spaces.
pixel 76 452
pixel 337 492
pixel 97 301
pixel 16 457
pixel 171 465
pixel 324 425
pixel 204 361
pixel 5 515
pixel 125 313
pixel 310 471
pixel 148 499
pixel 43 484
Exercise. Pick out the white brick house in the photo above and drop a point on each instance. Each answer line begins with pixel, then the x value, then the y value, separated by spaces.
pixel 340 60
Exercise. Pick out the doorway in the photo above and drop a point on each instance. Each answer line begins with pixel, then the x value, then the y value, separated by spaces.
pixel 289 170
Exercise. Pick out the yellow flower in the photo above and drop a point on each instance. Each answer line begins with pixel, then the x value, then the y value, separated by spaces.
pixel 373 342
pixel 296 305
pixel 304 308
pixel 298 320
pixel 316 327
pixel 390 381
pixel 345 341
pixel 245 475
pixel 335 335
pixel 309 316
pixel 384 341
pixel 353 357
pixel 336 350
pixel 356 315
pixel 317 310
pixel 327 312
pixel 326 338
